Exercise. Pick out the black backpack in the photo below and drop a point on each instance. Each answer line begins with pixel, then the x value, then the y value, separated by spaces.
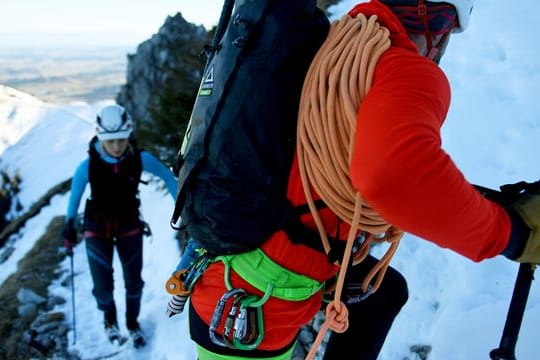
pixel 237 154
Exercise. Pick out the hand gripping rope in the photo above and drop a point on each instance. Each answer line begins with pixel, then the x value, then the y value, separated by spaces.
pixel 336 83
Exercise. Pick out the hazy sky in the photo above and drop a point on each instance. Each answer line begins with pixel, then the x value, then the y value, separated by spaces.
pixel 97 20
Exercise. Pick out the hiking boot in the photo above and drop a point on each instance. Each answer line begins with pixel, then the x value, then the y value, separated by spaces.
pixel 113 333
pixel 137 335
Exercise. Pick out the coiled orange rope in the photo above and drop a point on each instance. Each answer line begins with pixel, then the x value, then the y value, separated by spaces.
pixel 336 83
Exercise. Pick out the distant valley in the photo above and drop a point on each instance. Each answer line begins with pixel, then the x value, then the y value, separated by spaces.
pixel 65 75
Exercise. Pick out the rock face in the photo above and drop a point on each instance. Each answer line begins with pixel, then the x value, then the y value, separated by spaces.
pixel 171 53
pixel 30 328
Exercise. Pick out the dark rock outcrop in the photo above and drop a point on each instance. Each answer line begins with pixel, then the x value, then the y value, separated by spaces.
pixel 174 49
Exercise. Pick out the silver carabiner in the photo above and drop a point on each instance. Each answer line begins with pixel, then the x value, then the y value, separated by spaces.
pixel 218 314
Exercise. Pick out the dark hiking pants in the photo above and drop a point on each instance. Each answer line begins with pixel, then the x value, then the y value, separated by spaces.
pixel 371 319
pixel 100 244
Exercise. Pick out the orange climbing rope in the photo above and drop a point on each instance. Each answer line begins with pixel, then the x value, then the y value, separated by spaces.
pixel 336 83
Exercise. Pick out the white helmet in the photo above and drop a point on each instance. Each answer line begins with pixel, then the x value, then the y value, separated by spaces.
pixel 463 9
pixel 113 122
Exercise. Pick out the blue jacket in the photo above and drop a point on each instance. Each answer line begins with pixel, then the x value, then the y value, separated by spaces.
pixel 81 178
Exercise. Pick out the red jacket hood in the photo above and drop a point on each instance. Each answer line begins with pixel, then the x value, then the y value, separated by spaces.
pixel 385 16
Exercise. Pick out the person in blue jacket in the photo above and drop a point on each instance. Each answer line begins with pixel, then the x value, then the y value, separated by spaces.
pixel 111 217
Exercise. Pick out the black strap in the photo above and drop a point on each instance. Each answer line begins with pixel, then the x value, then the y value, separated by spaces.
pixel 299 233
pixel 224 18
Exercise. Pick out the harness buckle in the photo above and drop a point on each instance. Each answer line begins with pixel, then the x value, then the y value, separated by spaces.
pixel 358 297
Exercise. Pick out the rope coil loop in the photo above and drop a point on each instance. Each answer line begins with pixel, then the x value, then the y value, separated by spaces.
pixel 337 81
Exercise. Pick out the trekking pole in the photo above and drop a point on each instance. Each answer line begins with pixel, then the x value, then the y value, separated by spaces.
pixel 73 299
pixel 507 195
pixel 507 346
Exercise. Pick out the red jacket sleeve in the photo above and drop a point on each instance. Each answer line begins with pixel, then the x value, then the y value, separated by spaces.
pixel 399 167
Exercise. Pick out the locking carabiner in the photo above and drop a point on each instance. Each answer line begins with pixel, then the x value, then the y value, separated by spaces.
pixel 217 316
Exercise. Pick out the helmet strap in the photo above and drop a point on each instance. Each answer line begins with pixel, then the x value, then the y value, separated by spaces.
pixel 432 50
pixel 436 52
pixel 422 13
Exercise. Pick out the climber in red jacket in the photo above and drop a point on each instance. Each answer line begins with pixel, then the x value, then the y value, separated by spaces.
pixel 397 132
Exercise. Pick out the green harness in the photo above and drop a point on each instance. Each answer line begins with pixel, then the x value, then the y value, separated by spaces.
pixel 208 355
pixel 272 279
pixel 244 324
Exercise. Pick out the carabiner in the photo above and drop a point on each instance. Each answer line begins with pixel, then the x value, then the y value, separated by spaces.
pixel 217 316
pixel 243 339
pixel 196 269
pixel 230 322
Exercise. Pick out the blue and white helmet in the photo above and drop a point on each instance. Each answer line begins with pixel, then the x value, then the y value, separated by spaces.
pixel 113 122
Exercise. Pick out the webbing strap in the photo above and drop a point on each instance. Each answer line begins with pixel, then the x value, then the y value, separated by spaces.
pixel 264 274
pixel 205 354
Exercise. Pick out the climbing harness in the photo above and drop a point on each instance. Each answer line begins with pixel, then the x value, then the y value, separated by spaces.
pixel 338 80
pixel 244 325
pixel 205 354
pixel 265 275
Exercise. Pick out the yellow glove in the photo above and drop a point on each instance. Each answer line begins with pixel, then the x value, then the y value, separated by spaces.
pixel 522 203
pixel 528 207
